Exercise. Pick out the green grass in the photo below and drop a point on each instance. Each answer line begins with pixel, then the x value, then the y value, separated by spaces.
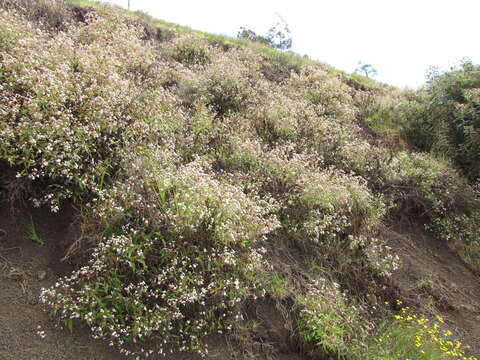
pixel 369 83
pixel 32 234
pixel 83 3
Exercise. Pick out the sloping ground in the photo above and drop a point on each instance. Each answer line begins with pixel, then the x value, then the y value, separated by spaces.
pixel 27 332
pixel 433 278
pixel 26 267
pixel 228 202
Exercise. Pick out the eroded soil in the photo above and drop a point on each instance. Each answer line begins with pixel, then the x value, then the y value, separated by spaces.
pixel 434 278
pixel 26 267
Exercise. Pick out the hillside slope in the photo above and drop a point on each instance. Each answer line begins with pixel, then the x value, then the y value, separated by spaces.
pixel 214 197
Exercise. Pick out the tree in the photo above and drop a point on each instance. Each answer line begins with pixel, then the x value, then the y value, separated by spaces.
pixel 367 69
pixel 251 35
pixel 278 36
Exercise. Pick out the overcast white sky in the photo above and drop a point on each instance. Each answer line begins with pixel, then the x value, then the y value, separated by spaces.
pixel 401 39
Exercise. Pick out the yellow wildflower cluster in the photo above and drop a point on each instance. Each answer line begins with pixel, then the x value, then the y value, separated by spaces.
pixel 430 334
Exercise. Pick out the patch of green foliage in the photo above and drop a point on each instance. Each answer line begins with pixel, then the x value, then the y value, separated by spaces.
pixel 445 117
pixel 330 322
pixel 369 83
pixel 33 234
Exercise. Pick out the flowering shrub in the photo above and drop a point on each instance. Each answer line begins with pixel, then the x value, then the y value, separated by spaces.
pixel 331 205
pixel 68 108
pixel 187 162
pixel 328 94
pixel 226 85
pixel 50 14
pixel 189 50
pixel 176 275
pixel 135 289
pixel 431 188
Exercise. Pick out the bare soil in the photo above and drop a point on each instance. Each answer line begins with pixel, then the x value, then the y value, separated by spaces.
pixel 26 267
pixel 433 278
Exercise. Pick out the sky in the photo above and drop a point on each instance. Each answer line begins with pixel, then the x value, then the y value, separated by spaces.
pixel 400 39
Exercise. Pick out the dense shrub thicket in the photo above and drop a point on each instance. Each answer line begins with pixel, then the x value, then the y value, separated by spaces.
pixel 445 118
pixel 188 164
